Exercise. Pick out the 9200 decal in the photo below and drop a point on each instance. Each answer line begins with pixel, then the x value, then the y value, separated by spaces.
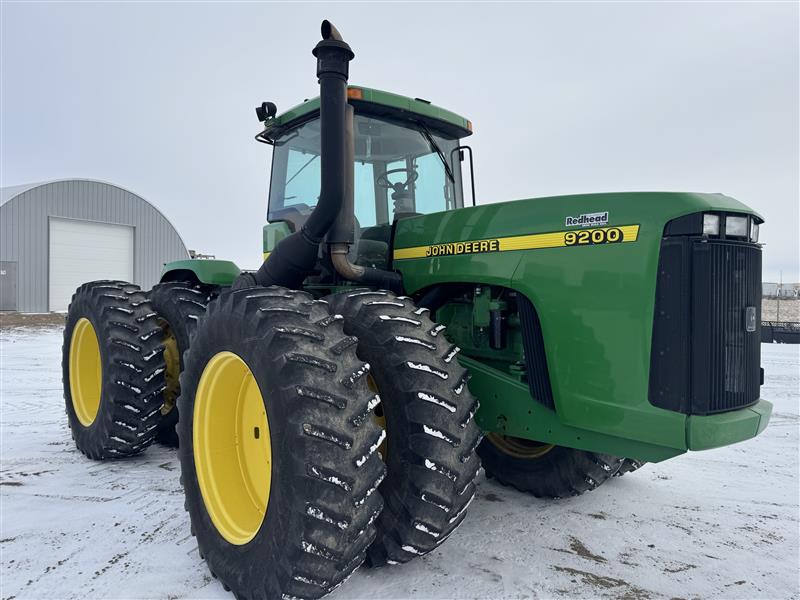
pixel 590 237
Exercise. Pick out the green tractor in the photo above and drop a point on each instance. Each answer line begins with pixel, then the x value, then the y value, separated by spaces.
pixel 322 404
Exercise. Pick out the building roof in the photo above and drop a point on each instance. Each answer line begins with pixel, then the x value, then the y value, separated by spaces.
pixel 10 192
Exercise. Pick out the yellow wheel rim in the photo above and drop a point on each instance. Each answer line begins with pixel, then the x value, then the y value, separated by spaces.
pixel 85 372
pixel 519 447
pixel 232 448
pixel 172 360
pixel 378 416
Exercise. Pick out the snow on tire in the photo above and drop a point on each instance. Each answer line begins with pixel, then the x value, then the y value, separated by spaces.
pixel 428 410
pixel 629 465
pixel 113 369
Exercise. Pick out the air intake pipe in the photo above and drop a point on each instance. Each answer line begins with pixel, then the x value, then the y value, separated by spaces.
pixel 295 257
pixel 341 235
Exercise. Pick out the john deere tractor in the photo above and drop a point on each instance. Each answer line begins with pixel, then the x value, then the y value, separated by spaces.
pixel 322 407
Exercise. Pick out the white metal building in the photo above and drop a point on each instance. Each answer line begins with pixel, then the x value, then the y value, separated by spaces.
pixel 59 234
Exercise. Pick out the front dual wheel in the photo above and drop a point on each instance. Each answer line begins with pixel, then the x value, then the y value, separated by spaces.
pixel 278 453
pixel 428 413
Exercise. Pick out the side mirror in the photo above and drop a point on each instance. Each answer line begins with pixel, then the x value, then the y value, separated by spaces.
pixel 460 150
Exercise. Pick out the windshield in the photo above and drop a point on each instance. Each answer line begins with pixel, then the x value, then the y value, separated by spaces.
pixel 400 170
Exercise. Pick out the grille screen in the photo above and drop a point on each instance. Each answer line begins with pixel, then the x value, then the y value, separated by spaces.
pixel 726 282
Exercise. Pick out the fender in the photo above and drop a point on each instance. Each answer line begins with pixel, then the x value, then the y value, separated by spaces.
pixel 214 272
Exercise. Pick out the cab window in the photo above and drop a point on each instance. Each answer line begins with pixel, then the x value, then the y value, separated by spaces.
pixel 397 173
pixel 302 179
pixel 401 170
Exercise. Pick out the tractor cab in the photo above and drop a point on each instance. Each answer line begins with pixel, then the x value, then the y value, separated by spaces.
pixel 407 162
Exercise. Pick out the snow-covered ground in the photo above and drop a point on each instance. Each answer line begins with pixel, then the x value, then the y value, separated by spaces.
pixel 718 524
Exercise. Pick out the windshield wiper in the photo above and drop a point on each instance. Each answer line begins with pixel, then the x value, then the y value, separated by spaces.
pixel 300 170
pixel 435 147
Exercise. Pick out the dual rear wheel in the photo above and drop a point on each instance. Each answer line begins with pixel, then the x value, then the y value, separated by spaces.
pixel 279 395
pixel 180 306
pixel 113 370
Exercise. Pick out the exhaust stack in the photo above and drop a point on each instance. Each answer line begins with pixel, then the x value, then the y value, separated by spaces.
pixel 295 257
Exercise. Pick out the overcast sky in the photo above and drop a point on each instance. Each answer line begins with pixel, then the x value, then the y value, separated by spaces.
pixel 565 98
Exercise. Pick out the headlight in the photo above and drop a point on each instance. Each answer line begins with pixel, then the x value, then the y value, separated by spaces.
pixel 754 232
pixel 736 226
pixel 710 224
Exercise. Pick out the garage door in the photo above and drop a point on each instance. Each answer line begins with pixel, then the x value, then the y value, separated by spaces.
pixel 82 251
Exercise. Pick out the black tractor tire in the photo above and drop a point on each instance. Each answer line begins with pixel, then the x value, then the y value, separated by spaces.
pixel 629 465
pixel 125 368
pixel 325 471
pixel 180 306
pixel 428 411
pixel 559 472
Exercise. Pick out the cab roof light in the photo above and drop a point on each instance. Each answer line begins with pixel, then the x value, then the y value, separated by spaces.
pixel 710 224
pixel 354 93
pixel 737 226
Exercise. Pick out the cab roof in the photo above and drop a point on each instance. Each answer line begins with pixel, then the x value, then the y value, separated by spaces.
pixel 377 103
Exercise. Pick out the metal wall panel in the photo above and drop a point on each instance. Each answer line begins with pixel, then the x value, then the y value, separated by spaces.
pixel 24 232
pixel 8 285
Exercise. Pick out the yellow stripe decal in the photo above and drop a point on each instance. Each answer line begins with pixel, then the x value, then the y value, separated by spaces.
pixel 266 254
pixel 554 239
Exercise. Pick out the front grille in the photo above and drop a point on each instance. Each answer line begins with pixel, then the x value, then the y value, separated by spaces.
pixel 726 281
pixel 705 355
